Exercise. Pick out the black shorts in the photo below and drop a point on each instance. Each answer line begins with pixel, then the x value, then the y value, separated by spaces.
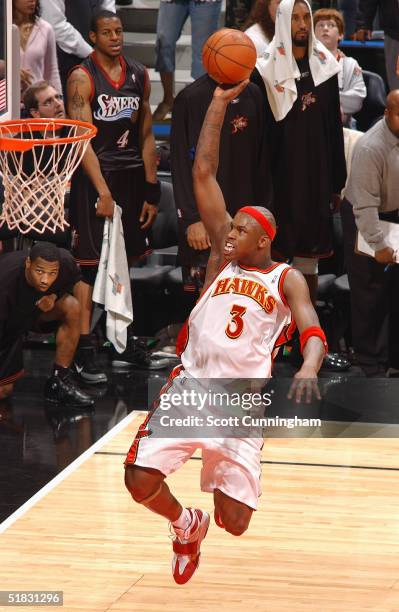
pixel 127 188
pixel 193 278
pixel 11 362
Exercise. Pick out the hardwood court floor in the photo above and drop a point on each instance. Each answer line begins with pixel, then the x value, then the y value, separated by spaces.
pixel 325 537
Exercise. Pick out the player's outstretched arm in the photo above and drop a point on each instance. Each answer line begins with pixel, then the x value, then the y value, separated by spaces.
pixel 79 92
pixel 208 195
pixel 149 155
pixel 297 295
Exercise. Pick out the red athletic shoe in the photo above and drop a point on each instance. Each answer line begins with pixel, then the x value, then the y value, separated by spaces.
pixel 186 546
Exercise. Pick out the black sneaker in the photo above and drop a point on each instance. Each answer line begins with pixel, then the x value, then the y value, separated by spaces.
pixel 86 367
pixel 335 362
pixel 137 355
pixel 63 391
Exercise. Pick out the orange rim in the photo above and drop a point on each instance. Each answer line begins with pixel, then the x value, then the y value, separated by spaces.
pixel 36 125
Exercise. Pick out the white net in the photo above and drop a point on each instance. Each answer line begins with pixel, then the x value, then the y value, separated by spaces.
pixel 35 179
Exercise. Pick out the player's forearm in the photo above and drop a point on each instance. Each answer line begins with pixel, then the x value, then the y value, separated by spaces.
pixel 313 353
pixel 149 154
pixel 207 154
pixel 92 168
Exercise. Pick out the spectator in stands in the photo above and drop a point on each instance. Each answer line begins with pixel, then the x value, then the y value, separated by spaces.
pixel 38 48
pixel 204 15
pixel 349 10
pixel 41 100
pixel 260 24
pixel 389 15
pixel 372 195
pixel 243 150
pixel 329 29
pixel 307 147
pixel 71 23
pixel 237 12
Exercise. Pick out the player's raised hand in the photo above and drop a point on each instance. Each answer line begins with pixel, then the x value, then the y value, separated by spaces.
pixel 148 215
pixel 304 386
pixel 46 303
pixel 105 206
pixel 230 93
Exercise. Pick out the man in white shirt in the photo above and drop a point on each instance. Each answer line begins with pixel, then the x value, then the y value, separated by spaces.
pixel 71 23
pixel 372 196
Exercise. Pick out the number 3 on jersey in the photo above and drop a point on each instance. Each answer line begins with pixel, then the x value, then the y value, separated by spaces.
pixel 235 327
pixel 123 140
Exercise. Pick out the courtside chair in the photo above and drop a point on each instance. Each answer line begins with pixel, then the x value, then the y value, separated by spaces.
pixel 374 102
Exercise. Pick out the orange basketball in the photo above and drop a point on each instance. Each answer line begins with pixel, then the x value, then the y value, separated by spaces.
pixel 229 56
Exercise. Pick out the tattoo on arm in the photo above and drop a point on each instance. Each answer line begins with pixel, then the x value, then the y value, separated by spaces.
pixel 78 89
pixel 77 104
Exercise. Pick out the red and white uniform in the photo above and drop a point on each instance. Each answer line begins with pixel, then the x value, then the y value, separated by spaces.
pixel 238 323
pixel 233 333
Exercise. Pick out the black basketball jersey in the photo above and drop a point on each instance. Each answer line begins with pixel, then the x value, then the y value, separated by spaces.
pixel 116 109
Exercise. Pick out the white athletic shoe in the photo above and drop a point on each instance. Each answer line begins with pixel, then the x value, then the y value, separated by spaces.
pixel 186 545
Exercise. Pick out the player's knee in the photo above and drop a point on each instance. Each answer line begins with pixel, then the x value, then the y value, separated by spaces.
pixel 141 484
pixel 70 309
pixel 5 391
pixel 234 522
pixel 236 527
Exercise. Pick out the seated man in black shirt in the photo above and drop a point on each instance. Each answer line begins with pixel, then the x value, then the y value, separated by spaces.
pixel 36 289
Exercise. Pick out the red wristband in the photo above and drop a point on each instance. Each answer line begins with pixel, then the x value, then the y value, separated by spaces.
pixel 313 331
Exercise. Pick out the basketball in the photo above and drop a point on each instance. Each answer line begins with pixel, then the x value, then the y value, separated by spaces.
pixel 229 56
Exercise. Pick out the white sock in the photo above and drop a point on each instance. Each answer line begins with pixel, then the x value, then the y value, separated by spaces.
pixel 184 520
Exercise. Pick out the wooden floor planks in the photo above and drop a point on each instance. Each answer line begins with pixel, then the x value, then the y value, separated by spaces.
pixel 324 538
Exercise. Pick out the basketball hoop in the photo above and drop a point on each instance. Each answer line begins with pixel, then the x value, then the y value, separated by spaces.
pixel 37 160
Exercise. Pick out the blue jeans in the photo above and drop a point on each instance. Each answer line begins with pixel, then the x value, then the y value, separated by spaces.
pixel 349 10
pixel 171 19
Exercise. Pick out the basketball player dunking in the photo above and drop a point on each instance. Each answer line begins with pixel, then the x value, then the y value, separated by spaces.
pixel 231 335
pixel 112 92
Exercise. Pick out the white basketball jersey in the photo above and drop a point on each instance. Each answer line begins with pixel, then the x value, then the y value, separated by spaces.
pixel 238 324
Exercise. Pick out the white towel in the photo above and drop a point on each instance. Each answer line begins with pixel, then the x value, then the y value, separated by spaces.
pixel 112 287
pixel 278 67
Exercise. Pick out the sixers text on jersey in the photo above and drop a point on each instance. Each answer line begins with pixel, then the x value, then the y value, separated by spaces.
pixel 113 108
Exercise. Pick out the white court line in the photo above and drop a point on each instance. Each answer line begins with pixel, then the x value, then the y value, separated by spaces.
pixel 69 470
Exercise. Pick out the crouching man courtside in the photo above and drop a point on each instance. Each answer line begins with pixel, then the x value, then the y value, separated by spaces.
pixel 37 294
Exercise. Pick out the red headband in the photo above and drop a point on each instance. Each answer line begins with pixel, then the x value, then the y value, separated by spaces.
pixel 267 226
